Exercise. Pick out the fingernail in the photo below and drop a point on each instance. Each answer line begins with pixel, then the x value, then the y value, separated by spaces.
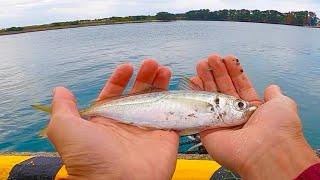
pixel 277 88
pixel 54 91
pixel 280 89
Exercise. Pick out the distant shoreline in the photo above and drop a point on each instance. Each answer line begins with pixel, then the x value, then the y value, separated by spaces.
pixel 115 23
pixel 292 18
pixel 77 26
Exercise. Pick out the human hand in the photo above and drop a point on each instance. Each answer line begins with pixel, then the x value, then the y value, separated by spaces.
pixel 271 144
pixel 104 149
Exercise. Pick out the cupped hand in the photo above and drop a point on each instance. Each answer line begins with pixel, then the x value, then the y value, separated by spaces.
pixel 103 149
pixel 271 144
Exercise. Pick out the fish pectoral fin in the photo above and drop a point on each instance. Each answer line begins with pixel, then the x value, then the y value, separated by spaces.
pixel 186 84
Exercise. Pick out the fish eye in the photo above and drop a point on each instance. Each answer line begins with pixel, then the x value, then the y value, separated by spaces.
pixel 240 105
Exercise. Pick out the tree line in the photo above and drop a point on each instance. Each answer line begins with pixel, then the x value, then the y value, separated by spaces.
pixel 298 18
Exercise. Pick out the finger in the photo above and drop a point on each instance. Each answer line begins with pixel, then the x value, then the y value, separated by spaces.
pixel 241 81
pixel 64 117
pixel 64 102
pixel 215 144
pixel 117 82
pixel 221 75
pixel 162 78
pixel 197 80
pixel 204 72
pixel 272 92
pixel 146 75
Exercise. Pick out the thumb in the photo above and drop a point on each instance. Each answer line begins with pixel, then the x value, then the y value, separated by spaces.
pixel 64 116
pixel 64 102
pixel 272 92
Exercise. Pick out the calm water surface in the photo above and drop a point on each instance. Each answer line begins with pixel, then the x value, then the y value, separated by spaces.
pixel 32 64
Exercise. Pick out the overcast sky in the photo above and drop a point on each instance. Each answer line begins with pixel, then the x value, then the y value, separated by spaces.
pixel 30 12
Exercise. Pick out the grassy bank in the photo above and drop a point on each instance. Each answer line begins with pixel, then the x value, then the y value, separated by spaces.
pixel 55 26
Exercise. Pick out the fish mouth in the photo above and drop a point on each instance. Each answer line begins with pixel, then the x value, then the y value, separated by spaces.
pixel 251 109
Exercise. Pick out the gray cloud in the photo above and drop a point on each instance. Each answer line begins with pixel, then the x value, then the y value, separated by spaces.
pixel 30 12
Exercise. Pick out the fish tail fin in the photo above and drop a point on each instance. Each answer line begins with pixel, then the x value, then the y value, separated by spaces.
pixel 42 108
pixel 43 132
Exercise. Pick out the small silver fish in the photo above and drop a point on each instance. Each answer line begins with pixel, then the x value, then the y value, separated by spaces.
pixel 188 110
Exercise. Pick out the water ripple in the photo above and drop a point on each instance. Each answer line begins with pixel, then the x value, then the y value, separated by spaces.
pixel 32 64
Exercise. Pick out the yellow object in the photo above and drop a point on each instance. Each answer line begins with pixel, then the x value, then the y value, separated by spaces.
pixel 8 162
pixel 62 173
pixel 195 169
pixel 185 169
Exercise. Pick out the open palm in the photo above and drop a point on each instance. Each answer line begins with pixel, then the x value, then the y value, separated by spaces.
pixel 274 129
pixel 104 148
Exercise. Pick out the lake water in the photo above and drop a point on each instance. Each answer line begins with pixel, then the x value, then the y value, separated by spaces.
pixel 32 64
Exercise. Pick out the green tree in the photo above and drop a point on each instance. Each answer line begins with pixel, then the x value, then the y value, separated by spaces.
pixel 299 18
pixel 74 23
pixel 256 16
pixel 165 16
pixel 14 29
pixel 232 15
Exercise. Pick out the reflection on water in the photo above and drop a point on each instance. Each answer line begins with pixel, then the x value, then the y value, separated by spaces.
pixel 32 64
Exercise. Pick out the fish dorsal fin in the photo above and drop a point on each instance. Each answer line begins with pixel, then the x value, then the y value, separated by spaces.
pixel 186 84
pixel 150 89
